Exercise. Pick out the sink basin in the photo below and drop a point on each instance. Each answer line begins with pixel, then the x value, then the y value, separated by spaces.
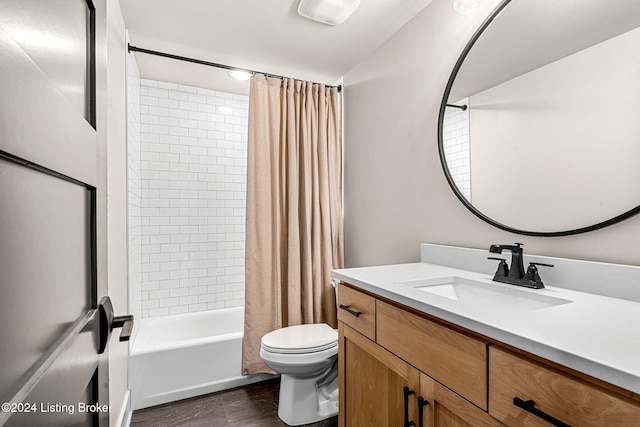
pixel 487 296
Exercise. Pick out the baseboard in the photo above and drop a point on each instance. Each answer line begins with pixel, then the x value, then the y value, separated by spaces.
pixel 124 417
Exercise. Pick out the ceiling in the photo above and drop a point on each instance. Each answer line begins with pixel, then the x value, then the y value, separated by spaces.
pixel 262 35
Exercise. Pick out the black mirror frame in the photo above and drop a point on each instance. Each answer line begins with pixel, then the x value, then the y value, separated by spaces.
pixel 443 160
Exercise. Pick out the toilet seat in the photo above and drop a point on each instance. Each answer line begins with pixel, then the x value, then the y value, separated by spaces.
pixel 300 339
pixel 299 350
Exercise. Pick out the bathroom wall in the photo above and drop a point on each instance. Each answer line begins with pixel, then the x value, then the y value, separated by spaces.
pixel 396 195
pixel 116 188
pixel 134 186
pixel 192 200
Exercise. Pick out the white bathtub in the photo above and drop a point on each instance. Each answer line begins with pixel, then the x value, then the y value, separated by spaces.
pixel 185 355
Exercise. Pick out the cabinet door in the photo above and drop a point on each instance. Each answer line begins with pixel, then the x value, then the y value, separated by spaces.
pixel 372 382
pixel 445 408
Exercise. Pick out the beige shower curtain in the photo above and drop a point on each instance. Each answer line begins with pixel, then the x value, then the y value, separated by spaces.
pixel 294 231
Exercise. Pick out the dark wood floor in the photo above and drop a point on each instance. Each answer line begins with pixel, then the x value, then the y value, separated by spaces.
pixel 252 405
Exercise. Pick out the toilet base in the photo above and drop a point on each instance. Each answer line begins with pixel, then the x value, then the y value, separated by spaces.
pixel 308 400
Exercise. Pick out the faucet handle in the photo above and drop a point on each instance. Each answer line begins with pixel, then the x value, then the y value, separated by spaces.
pixel 532 275
pixel 503 268
pixel 541 264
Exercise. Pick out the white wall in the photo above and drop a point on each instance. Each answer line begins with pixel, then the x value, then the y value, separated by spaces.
pixel 134 186
pixel 193 153
pixel 116 204
pixel 396 195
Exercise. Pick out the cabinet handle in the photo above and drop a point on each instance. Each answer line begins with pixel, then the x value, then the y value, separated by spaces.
pixel 421 404
pixel 407 392
pixel 529 406
pixel 346 308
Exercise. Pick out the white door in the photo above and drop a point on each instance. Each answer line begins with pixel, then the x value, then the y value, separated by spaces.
pixel 52 212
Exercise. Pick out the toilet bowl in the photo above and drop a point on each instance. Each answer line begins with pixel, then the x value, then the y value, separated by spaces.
pixel 306 357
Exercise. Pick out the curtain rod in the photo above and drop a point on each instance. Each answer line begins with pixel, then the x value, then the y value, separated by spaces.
pixel 131 48
pixel 463 107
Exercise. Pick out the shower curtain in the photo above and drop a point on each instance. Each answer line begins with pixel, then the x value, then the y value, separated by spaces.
pixel 294 234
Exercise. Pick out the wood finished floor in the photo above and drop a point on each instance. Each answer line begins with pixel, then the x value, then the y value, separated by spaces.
pixel 252 405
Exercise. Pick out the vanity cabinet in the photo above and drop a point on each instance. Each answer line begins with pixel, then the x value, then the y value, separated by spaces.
pixel 385 368
pixel 446 408
pixel 378 389
pixel 372 383
pixel 457 360
pixel 554 394
pixel 392 357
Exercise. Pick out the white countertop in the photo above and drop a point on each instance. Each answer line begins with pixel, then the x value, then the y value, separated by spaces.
pixel 593 334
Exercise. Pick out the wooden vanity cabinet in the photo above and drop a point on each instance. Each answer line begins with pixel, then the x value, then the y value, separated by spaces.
pixel 372 384
pixel 373 377
pixel 457 360
pixel 378 389
pixel 466 380
pixel 555 394
pixel 447 409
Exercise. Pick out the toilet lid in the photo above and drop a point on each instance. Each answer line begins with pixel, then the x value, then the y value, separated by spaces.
pixel 301 339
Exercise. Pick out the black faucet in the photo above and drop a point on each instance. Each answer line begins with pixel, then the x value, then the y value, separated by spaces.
pixel 516 271
pixel 515 275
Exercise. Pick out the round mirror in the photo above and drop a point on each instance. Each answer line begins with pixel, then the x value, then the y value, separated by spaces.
pixel 539 127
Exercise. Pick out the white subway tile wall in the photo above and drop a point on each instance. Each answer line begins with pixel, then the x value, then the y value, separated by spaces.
pixel 456 147
pixel 134 187
pixel 193 155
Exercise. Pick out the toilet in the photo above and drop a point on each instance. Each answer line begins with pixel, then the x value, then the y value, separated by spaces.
pixel 306 357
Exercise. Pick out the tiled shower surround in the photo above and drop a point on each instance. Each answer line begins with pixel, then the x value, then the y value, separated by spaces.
pixel 193 151
pixel 456 145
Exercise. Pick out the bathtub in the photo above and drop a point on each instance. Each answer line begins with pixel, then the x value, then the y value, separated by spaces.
pixel 185 355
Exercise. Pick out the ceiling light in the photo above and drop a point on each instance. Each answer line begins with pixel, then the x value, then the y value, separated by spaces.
pixel 466 6
pixel 330 12
pixel 240 75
